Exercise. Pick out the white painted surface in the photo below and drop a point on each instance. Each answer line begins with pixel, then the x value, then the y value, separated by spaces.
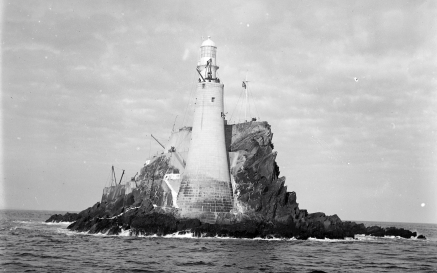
pixel 174 194
pixel 207 155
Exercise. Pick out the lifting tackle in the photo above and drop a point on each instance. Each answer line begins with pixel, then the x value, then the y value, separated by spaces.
pixel 208 69
pixel 114 178
pixel 208 73
pixel 121 177
pixel 172 150
pixel 203 79
pixel 158 141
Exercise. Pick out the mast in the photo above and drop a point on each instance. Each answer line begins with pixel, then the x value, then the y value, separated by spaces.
pixel 174 123
pixel 113 176
pixel 121 177
pixel 245 104
pixel 158 141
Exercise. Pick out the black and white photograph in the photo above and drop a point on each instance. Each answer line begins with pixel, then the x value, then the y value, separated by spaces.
pixel 218 136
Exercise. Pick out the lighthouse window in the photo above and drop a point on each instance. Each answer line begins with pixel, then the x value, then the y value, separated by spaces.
pixel 207 51
pixel 212 99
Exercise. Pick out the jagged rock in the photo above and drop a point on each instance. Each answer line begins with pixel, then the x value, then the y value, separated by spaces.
pixel 148 221
pixel 258 187
pixel 68 217
pixel 262 205
pixel 393 231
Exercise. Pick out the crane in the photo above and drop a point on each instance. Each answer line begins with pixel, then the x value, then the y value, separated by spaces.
pixel 203 79
pixel 121 177
pixel 158 141
pixel 172 150
pixel 174 123
pixel 113 176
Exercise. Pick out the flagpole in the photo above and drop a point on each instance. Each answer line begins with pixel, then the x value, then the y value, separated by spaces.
pixel 245 106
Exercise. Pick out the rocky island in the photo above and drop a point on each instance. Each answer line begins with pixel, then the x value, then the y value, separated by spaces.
pixel 213 179
pixel 263 206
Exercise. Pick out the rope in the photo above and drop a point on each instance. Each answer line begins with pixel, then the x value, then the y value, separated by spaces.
pixel 251 105
pixel 252 101
pixel 150 145
pixel 193 82
pixel 168 165
pixel 232 113
pixel 180 140
pixel 187 105
pixel 256 109
pixel 249 113
pixel 108 183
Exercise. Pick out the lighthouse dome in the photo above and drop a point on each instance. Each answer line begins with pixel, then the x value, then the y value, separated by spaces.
pixel 208 42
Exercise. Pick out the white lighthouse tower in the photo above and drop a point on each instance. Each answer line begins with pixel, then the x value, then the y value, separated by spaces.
pixel 205 188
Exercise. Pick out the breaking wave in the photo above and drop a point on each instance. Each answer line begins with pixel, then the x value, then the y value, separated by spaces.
pixel 57 223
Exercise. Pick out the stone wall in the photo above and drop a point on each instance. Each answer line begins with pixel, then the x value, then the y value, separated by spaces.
pixel 204 197
pixel 112 193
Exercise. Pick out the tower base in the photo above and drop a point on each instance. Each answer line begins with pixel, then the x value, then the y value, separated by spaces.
pixel 203 198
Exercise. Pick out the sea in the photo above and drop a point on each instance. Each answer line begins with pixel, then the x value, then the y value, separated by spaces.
pixel 28 244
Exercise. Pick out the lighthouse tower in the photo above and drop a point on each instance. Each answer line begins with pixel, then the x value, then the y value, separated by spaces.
pixel 205 188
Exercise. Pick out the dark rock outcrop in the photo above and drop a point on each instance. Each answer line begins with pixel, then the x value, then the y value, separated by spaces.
pixel 68 217
pixel 262 205
pixel 149 222
pixel 258 188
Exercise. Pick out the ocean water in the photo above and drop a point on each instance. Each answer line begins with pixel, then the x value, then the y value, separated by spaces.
pixel 27 244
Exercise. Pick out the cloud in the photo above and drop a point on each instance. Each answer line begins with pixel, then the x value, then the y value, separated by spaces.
pixel 186 54
pixel 95 82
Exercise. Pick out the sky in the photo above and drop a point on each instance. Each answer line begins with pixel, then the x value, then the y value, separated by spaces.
pixel 348 87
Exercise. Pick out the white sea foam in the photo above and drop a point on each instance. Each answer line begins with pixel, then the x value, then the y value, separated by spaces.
pixel 146 236
pixel 113 217
pixel 363 237
pixel 267 239
pixel 122 233
pixel 57 223
pixel 190 235
pixel 183 234
pixel 70 232
pixel 357 237
pixel 100 234
pixel 125 233
pixel 23 222
pixel 399 237
pixel 327 240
